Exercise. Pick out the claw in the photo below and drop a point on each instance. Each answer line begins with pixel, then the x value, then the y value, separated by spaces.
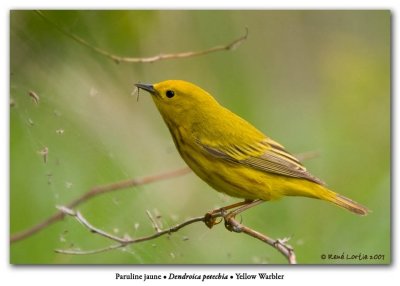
pixel 228 225
pixel 232 225
pixel 210 221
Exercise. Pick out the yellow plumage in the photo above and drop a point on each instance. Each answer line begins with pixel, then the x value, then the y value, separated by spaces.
pixel 229 153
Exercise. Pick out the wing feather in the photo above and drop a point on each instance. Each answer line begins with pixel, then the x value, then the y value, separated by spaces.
pixel 267 156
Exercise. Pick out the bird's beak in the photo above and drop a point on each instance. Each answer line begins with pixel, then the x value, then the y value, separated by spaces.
pixel 146 87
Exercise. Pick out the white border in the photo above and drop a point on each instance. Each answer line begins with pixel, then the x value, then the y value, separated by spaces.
pixel 59 275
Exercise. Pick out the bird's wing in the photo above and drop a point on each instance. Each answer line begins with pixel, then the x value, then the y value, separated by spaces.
pixel 266 155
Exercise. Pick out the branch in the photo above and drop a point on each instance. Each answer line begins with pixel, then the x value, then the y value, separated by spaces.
pixel 118 59
pixel 230 223
pixel 95 192
pixel 121 241
pixel 279 244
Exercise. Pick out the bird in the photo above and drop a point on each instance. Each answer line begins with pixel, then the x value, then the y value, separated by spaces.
pixel 230 154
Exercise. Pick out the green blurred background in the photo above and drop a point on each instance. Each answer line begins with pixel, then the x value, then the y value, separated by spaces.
pixel 312 80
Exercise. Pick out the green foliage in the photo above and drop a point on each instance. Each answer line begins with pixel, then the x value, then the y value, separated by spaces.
pixel 312 80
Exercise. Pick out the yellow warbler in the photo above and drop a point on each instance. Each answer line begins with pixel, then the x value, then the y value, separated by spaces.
pixel 229 153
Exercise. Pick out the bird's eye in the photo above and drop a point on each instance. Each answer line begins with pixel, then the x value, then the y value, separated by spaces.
pixel 170 93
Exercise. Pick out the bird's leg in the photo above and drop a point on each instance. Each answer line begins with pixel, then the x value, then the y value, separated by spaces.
pixel 232 214
pixel 210 218
pixel 245 206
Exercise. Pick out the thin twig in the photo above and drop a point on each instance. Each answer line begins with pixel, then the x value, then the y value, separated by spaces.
pixel 230 223
pixel 153 221
pixel 122 241
pixel 118 59
pixel 280 245
pixel 95 192
pixel 86 252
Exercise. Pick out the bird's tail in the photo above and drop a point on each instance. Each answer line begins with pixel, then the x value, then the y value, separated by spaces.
pixel 343 202
pixel 348 204
pixel 313 190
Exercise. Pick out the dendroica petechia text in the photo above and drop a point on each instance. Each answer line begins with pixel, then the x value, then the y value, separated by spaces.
pixel 230 154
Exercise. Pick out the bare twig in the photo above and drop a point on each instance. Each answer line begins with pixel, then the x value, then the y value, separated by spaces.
pixel 122 241
pixel 234 44
pixel 230 223
pixel 279 244
pixel 95 192
pixel 153 221
pixel 86 224
pixel 86 252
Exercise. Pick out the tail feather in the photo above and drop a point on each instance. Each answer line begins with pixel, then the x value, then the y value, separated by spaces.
pixel 317 191
pixel 323 193
pixel 348 204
